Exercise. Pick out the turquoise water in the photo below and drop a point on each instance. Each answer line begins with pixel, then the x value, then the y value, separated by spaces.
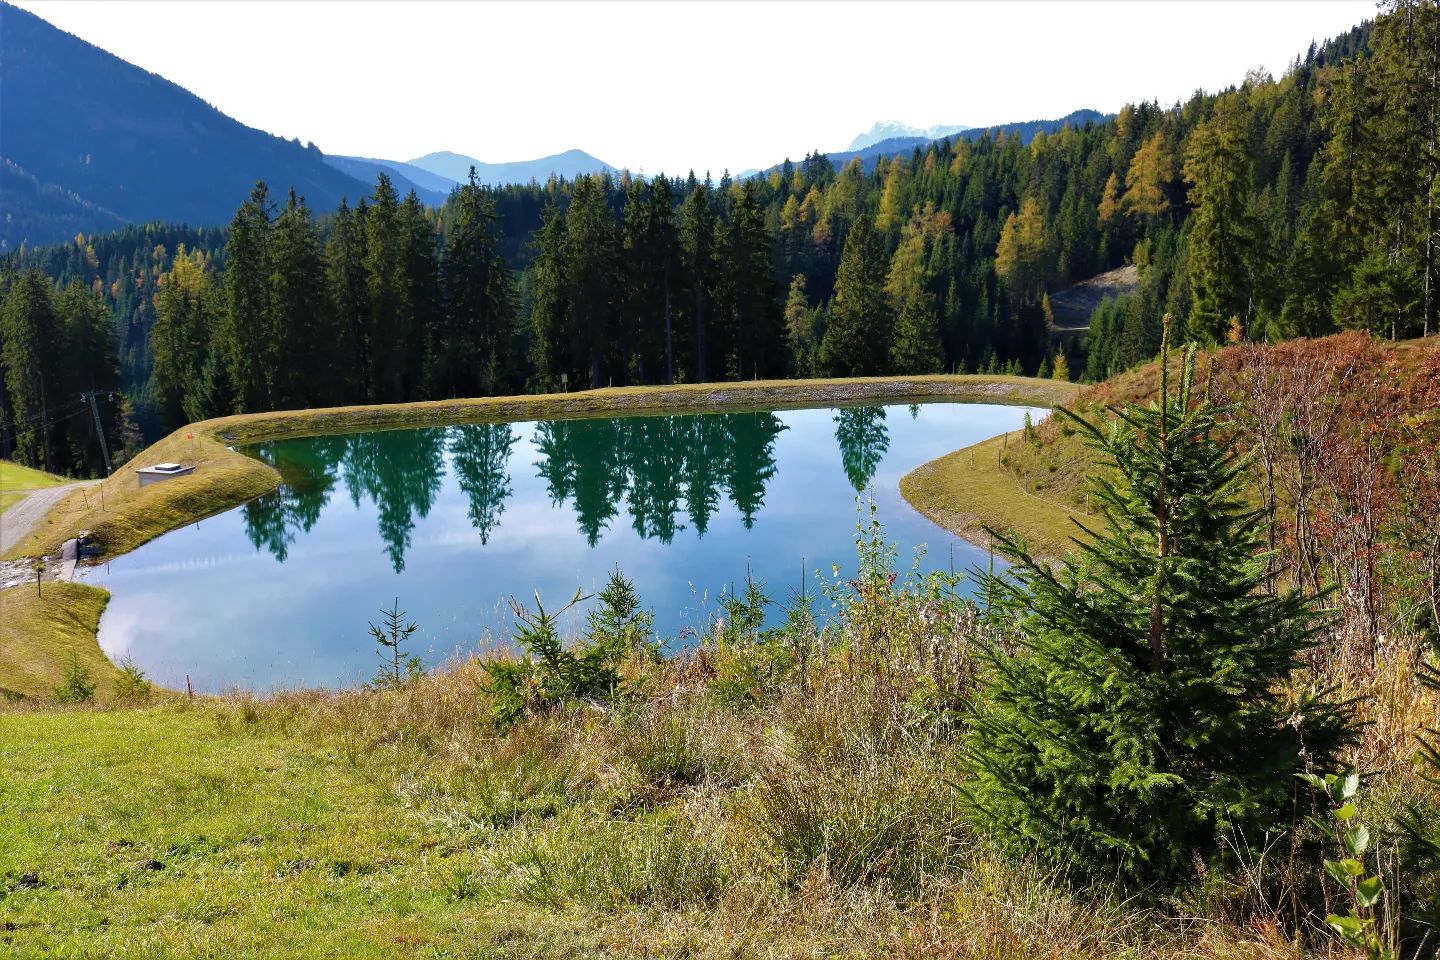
pixel 453 521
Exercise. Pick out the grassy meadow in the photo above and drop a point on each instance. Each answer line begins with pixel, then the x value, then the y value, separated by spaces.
pixel 791 792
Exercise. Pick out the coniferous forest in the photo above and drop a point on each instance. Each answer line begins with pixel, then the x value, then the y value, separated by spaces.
pixel 1281 207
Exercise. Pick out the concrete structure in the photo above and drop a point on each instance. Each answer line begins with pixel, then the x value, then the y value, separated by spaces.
pixel 162 471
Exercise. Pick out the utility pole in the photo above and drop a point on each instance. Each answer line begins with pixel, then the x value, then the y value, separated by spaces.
pixel 99 428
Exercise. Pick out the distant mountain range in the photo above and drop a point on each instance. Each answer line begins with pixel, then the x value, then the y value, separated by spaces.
pixel 431 190
pixel 434 175
pixel 89 142
pixel 891 129
pixel 902 146
pixel 456 167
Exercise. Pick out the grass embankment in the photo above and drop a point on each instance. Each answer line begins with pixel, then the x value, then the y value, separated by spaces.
pixel 120 516
pixel 971 489
pixel 40 634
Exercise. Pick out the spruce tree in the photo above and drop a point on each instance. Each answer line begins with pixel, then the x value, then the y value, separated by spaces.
pixel 697 241
pixel 29 330
pixel 592 258
pixel 345 376
pixel 917 336
pixel 470 354
pixel 753 323
pixel 857 340
pixel 188 309
pixel 420 277
pixel 246 327
pixel 297 308
pixel 1217 166
pixel 552 349
pixel 388 322
pixel 1139 714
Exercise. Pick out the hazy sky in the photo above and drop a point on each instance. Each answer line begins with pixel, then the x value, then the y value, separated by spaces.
pixel 671 86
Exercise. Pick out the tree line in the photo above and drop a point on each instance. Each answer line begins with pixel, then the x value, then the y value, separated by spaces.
pixel 1273 209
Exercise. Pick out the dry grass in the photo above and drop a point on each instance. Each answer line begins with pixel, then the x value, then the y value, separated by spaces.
pixel 789 799
pixel 978 486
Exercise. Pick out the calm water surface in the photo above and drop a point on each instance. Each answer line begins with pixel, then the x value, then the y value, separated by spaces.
pixel 454 520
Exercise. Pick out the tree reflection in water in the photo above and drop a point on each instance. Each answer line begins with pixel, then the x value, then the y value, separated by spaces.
pixel 863 438
pixel 665 469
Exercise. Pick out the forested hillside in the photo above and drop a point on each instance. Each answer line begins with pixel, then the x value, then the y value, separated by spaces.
pixel 121 144
pixel 1276 208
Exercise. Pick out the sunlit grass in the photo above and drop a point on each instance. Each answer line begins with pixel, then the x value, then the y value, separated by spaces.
pixel 14 476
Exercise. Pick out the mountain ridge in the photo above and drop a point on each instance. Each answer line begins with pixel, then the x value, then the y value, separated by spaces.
pixel 456 167
pixel 115 138
pixel 891 129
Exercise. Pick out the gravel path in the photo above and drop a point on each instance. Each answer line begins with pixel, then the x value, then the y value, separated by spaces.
pixel 17 521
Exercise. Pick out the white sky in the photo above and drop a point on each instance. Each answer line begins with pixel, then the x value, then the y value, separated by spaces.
pixel 674 86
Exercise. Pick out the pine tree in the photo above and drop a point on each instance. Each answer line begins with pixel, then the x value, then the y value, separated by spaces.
pixel 246 327
pixel 30 334
pixel 552 338
pixel 298 308
pixel 188 310
pixel 1141 715
pixel 799 328
pixel 1020 254
pixel 386 294
pixel 1152 169
pixel 471 354
pixel 917 336
pixel 345 376
pixel 1061 370
pixel 857 339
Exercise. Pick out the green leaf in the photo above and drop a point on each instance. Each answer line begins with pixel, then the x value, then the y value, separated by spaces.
pixel 1345 813
pixel 1348 926
pixel 1350 785
pixel 1337 873
pixel 1357 841
pixel 1315 780
pixel 1368 891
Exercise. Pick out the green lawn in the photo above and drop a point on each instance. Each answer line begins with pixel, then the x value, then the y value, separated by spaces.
pixel 14 476
pixel 10 499
pixel 166 833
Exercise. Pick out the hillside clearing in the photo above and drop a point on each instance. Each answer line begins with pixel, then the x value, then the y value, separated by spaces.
pixel 15 476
